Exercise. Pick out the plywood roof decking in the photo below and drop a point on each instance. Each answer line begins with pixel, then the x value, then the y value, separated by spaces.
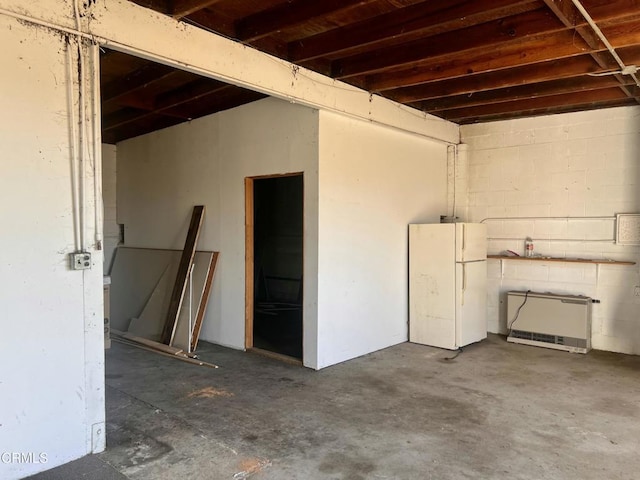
pixel 462 60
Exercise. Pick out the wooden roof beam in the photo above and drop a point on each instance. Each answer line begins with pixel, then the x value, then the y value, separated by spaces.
pixel 511 77
pixel 569 15
pixel 522 92
pixel 544 104
pixel 287 15
pixel 165 103
pixel 511 54
pixel 546 111
pixel 182 8
pixel 415 21
pixel 479 37
pixel 212 22
pixel 538 72
pixel 136 80
pixel 495 33
pixel 223 101
pixel 162 6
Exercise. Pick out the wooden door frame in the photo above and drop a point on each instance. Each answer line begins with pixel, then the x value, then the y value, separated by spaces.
pixel 249 281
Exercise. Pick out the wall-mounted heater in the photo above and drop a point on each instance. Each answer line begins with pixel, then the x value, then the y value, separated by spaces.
pixel 547 320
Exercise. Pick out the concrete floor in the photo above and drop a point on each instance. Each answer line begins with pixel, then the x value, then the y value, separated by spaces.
pixel 498 411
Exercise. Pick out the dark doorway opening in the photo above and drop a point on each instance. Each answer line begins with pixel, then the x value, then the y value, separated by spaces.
pixel 278 264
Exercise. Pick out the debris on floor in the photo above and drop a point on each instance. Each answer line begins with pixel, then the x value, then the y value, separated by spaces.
pixel 209 392
pixel 251 466
pixel 160 348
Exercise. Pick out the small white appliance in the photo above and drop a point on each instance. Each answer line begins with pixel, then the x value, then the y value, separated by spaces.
pixel 562 322
pixel 447 284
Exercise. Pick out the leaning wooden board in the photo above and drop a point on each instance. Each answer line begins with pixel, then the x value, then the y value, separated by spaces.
pixel 204 301
pixel 142 280
pixel 179 288
pixel 203 266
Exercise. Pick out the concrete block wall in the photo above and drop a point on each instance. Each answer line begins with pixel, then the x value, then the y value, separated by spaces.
pixel 584 164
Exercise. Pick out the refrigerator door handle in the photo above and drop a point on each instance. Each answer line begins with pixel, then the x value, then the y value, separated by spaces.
pixel 464 241
pixel 464 283
pixel 464 277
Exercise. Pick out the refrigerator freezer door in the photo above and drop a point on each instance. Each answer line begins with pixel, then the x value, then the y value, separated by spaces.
pixel 471 302
pixel 471 242
pixel 432 285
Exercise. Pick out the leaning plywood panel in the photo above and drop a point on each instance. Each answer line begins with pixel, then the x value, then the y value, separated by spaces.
pixel 150 321
pixel 147 319
pixel 134 276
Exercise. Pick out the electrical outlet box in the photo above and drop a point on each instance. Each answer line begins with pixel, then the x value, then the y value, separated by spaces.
pixel 81 261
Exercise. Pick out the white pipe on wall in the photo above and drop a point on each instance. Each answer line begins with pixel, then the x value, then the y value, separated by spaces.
pixel 73 147
pixel 97 150
pixel 452 155
pixel 580 240
pixel 501 219
pixel 82 142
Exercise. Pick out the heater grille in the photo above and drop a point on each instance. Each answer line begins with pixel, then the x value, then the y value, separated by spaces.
pixel 538 337
pixel 562 322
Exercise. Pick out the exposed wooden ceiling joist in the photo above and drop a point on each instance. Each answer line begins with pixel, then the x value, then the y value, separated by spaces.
pixel 182 8
pixel 136 80
pixel 471 84
pixel 405 24
pixel 478 37
pixel 540 106
pixel 522 92
pixel 534 49
pixel 151 96
pixel 571 17
pixel 287 15
pixel 492 59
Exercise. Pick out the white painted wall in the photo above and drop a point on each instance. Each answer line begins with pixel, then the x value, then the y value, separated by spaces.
pixel 111 228
pixel 373 182
pixel 163 174
pixel 52 357
pixel 578 164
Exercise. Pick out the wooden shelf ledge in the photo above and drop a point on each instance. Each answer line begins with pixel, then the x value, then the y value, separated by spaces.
pixel 566 260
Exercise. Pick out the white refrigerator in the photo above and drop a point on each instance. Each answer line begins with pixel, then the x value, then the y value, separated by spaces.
pixel 447 284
